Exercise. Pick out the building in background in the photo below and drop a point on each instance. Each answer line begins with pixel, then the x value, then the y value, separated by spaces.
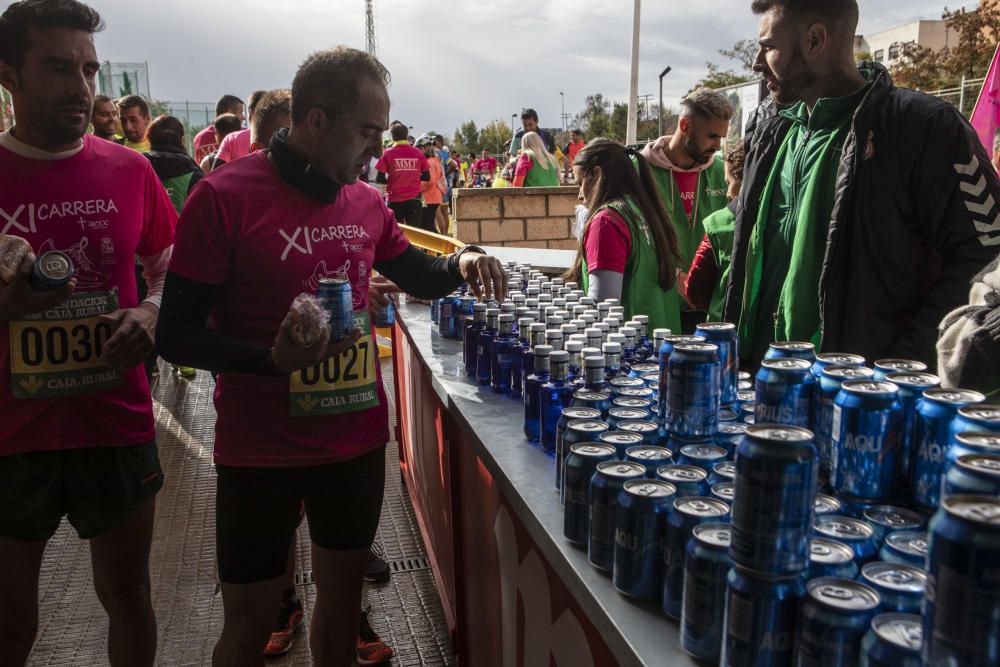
pixel 886 46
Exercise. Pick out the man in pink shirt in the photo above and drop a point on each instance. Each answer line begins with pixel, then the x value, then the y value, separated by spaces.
pixel 206 141
pixel 77 436
pixel 484 168
pixel 237 145
pixel 299 425
pixel 402 168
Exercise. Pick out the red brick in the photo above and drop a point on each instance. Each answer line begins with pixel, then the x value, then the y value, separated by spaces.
pixel 501 230
pixel 523 205
pixel 547 228
pixel 563 204
pixel 467 231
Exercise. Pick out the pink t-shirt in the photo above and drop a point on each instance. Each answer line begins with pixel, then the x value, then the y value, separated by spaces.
pixel 102 207
pixel 265 242
pixel 204 143
pixel 687 181
pixel 607 243
pixel 485 165
pixel 234 146
pixel 402 164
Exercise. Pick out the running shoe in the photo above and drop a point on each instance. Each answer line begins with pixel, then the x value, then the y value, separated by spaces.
pixel 370 649
pixel 289 620
pixel 376 569
pixel 186 372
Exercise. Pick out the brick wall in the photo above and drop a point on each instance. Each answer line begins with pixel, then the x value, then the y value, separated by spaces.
pixel 517 217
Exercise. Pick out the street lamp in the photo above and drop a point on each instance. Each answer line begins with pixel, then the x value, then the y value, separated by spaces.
pixel 660 113
pixel 562 102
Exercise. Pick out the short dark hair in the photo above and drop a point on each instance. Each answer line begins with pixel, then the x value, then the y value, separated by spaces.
pixel 575 130
pixel 101 97
pixel 132 101
pixel 166 131
pixel 330 79
pixel 275 104
pixel 226 123
pixel 254 99
pixel 398 131
pixel 829 12
pixel 23 16
pixel 227 104
pixel 529 113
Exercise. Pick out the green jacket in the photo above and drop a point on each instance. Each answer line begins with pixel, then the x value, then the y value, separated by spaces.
pixel 641 292
pixel 719 227
pixel 709 197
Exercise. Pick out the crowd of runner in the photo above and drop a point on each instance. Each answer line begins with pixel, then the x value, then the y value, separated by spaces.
pixel 850 216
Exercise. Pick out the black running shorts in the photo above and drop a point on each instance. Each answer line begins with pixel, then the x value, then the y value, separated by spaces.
pixel 257 512
pixel 95 487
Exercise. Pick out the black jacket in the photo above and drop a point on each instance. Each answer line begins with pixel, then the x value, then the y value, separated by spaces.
pixel 914 219
pixel 169 162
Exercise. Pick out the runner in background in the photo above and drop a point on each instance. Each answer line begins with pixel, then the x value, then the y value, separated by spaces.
pixel 77 436
pixel 273 112
pixel 484 169
pixel 237 144
pixel 402 168
pixel 207 141
pixel 299 424
pixel 224 125
pixel 105 119
pixel 690 179
pixel 628 250
pixel 576 142
pixel 704 286
pixel 433 189
pixel 133 111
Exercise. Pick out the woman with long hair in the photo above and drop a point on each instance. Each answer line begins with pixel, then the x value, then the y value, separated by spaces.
pixel 628 249
pixel 536 167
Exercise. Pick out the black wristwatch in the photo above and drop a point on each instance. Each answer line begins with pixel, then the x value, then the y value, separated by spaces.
pixel 453 263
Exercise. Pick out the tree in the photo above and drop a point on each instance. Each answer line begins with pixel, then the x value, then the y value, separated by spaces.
pixel 744 52
pixel 618 125
pixel 863 56
pixel 977 34
pixel 594 119
pixel 495 137
pixel 920 68
pixel 467 138
pixel 719 78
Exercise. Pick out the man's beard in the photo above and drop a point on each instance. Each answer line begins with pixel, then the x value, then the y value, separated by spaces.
pixel 695 152
pixel 794 81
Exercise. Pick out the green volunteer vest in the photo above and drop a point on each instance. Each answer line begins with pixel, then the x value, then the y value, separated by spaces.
pixel 641 293
pixel 539 177
pixel 720 227
pixel 709 197
pixel 177 189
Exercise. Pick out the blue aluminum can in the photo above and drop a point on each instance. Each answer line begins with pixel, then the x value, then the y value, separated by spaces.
pixel 884 367
pixel 834 617
pixel 688 480
pixel 723 471
pixel 384 316
pixel 650 457
pixel 900 586
pixel 827 359
pixel 967 443
pixel 975 419
pixel 622 441
pixel 634 403
pixel 724 491
pixel 644 393
pixel 746 395
pixel 620 382
pixel 747 411
pixel 723 335
pixel 706 564
pixel 885 519
pixel 608 481
pixel 703 456
pixel 962 604
pixel 855 507
pixel 827 505
pixel 729 437
pixel 824 394
pixel 337 298
pixel 448 318
pixel 829 558
pixel 581 462
pixel 935 411
pixel 973 473
pixel 761 613
pixel 584 398
pixel 663 359
pixel 692 405
pixel 867 419
pixel 784 392
pixel 640 526
pixel 906 546
pixel 686 514
pixel 791 349
pixel 436 310
pixel 570 415
pixel 775 492
pixel 728 415
pixel 893 640
pixel 618 415
pixel 911 390
pixel 637 371
pixel 855 533
pixel 649 430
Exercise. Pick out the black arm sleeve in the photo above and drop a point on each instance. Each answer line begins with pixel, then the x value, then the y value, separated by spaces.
pixel 419 274
pixel 381 177
pixel 183 337
pixel 425 176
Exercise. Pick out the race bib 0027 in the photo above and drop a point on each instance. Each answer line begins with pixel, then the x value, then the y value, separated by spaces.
pixel 343 383
pixel 57 352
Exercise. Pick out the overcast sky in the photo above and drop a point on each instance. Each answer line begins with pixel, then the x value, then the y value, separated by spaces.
pixel 450 61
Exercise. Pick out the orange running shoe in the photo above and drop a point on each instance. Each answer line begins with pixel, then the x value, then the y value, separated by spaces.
pixel 289 620
pixel 370 649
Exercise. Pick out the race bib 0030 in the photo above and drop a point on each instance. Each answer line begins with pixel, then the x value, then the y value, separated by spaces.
pixel 57 353
pixel 343 383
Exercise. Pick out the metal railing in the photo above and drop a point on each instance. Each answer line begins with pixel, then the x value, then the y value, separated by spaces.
pixel 962 96
pixel 438 244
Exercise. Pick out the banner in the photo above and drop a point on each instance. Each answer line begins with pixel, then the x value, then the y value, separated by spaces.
pixel 986 116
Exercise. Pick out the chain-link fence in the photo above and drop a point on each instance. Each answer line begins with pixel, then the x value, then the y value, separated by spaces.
pixel 120 79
